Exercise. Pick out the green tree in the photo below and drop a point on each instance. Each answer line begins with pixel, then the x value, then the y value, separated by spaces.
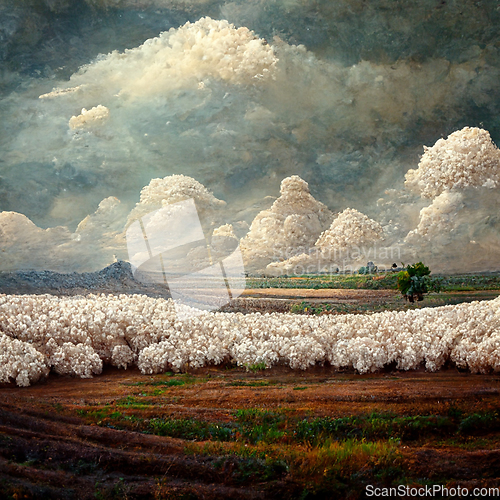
pixel 413 281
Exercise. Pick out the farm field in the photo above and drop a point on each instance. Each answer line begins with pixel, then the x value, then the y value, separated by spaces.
pixel 347 300
pixel 256 433
pixel 230 433
pixel 377 281
pixel 249 249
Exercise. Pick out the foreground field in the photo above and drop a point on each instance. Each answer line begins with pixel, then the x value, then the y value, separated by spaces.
pixel 229 433
pixel 255 433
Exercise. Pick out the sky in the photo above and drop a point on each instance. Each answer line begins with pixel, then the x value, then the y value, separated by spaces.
pixel 100 98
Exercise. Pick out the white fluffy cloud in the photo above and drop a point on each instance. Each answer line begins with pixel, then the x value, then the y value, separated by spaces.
pixel 93 245
pixel 350 228
pixel 100 237
pixel 467 158
pixel 343 243
pixel 461 175
pixel 172 189
pixel 439 218
pixel 180 58
pixel 91 118
pixel 288 228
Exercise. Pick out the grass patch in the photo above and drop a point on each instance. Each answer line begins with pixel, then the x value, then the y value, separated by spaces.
pixel 379 281
pixel 257 367
pixel 252 383
pixel 373 426
pixel 329 468
pixel 168 379
pixel 133 402
pixel 321 456
pixel 351 281
pixel 174 382
pixel 95 414
pixel 394 304
pixel 190 429
pixel 253 425
pixel 479 423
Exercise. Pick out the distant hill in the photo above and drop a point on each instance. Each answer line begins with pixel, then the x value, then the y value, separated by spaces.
pixel 116 278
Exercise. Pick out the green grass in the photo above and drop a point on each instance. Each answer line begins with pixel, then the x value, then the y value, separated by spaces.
pixel 250 383
pixel 256 425
pixel 133 402
pixel 329 470
pixel 328 308
pixel 350 281
pixel 394 304
pixel 257 367
pixel 167 383
pixel 471 424
pixel 168 379
pixel 323 455
pixel 190 429
pixel 380 281
pixel 373 427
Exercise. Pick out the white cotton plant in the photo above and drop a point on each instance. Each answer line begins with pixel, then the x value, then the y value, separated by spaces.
pixel 122 356
pixel 79 360
pixel 21 362
pixel 78 335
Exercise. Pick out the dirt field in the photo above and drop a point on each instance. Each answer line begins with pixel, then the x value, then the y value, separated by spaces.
pixel 342 301
pixel 68 438
pixel 324 293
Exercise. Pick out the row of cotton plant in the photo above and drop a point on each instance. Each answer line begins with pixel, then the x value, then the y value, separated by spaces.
pixel 77 335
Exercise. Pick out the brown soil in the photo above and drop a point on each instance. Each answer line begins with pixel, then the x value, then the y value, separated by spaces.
pixel 324 293
pixel 283 299
pixel 48 451
pixel 341 301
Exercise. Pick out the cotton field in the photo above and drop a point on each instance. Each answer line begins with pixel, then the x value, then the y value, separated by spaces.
pixel 78 335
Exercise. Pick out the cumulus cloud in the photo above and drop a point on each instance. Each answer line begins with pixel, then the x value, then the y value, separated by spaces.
pixel 458 232
pixel 93 245
pixel 349 238
pixel 172 189
pixel 288 228
pixel 223 241
pixel 181 58
pixel 351 228
pixel 467 158
pixel 100 237
pixel 93 117
pixel 439 218
pixel 217 103
pixel 460 174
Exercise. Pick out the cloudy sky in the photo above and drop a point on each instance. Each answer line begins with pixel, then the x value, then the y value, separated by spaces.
pixel 98 99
